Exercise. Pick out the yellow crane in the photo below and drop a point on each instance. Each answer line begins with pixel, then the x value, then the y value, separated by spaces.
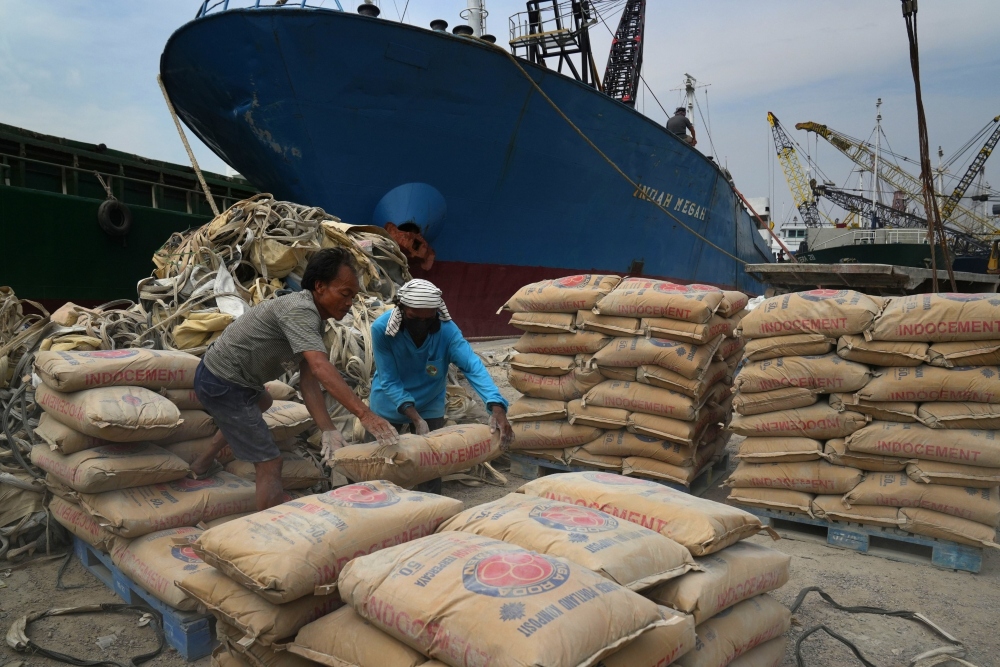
pixel 798 183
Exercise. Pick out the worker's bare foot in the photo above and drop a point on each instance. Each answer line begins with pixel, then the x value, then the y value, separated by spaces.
pixel 204 470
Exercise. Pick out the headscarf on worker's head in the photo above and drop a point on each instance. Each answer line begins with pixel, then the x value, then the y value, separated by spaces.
pixel 416 293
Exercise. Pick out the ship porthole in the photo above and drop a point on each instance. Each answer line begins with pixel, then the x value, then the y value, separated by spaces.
pixel 114 218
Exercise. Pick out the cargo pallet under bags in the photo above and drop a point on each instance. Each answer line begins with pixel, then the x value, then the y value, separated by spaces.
pixel 191 633
pixel 889 543
pixel 529 467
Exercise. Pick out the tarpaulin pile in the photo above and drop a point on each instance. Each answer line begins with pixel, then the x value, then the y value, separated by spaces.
pixel 877 411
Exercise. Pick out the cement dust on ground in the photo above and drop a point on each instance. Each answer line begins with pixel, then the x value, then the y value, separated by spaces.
pixel 966 605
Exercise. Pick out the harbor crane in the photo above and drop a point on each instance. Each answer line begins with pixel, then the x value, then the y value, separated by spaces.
pixel 798 183
pixel 622 75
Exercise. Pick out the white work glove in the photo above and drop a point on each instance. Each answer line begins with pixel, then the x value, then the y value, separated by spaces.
pixel 330 443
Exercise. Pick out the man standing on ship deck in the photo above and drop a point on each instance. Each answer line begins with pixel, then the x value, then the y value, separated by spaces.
pixel 679 124
pixel 413 344
pixel 274 336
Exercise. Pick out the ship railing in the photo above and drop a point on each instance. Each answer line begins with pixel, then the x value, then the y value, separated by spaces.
pixel 552 26
pixel 853 235
pixel 906 236
pixel 216 6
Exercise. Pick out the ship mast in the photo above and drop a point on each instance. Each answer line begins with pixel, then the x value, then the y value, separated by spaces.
pixel 876 200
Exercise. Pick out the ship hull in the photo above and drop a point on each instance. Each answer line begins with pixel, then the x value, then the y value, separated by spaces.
pixel 343 111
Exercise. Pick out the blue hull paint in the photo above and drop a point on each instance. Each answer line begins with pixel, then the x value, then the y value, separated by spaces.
pixel 334 109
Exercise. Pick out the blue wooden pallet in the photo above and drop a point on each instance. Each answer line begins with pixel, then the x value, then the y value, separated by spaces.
pixel 191 633
pixel 530 467
pixel 888 543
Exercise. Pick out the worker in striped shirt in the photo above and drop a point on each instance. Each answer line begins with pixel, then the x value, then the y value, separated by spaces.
pixel 274 337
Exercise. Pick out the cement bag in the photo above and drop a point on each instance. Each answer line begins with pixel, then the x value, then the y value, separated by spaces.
pixel 629 555
pixel 638 397
pixel 259 620
pixel 280 391
pixel 152 369
pixel 190 450
pixel 587 320
pixel 690 361
pixel 205 525
pixel 939 318
pixel 946 527
pixel 640 297
pixel 72 517
pixel 542 364
pixel 472 585
pixel 184 399
pixel 825 374
pixel 561 295
pixel 637 466
pixel 553 455
pixel 286 419
pixel 111 467
pixel 296 472
pixel 833 313
pixel 964 353
pixel 344 639
pixel 769 654
pixel 419 458
pixel 618 373
pixel 64 439
pixel 688 332
pixel 775 400
pixel 731 347
pixel 596 416
pixel 784 500
pixel 925 384
pixel 157 560
pixel 580 456
pixel 223 657
pixel 977 448
pixel 832 508
pixel 732 303
pixel 891 411
pixel 808 477
pixel 543 323
pixel 624 444
pixel 551 435
pixel 960 415
pixel 581 342
pixel 881 353
pixel 702 526
pixel 953 474
pixel 717 372
pixel 796 345
pixel 728 577
pixel 256 654
pixel 818 421
pixel 674 430
pixel 299 547
pixel 660 646
pixel 117 414
pixel 536 409
pixel 195 424
pixel 562 388
pixel 836 452
pixel 734 631
pixel 895 490
pixel 780 450
pixel 185 502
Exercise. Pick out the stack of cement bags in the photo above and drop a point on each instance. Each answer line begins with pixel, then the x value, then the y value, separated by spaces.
pixel 648 390
pixel 271 573
pixel 580 568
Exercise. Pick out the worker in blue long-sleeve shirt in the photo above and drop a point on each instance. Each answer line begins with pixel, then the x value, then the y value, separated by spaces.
pixel 413 345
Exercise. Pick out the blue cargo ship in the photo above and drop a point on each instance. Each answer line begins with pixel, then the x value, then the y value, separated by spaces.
pixel 378 121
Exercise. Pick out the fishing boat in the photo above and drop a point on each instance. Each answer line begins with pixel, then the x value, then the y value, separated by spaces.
pixel 514 167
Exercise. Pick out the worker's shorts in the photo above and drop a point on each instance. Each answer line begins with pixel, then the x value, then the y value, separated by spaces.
pixel 236 412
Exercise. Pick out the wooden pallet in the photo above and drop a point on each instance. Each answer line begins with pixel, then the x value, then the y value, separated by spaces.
pixel 888 543
pixel 530 467
pixel 191 633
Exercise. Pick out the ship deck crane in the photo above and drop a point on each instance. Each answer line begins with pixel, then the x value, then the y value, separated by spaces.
pixel 798 183
pixel 970 174
pixel 621 77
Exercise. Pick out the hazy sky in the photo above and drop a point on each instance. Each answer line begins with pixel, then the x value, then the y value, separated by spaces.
pixel 86 70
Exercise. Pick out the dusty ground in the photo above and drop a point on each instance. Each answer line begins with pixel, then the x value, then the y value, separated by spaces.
pixel 964 604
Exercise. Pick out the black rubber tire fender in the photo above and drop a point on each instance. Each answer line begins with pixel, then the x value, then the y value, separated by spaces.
pixel 114 217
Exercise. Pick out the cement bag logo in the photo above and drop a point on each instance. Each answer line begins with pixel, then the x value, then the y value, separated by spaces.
pixel 513 574
pixel 184 553
pixel 573 519
pixel 362 495
pixel 965 298
pixel 671 288
pixel 617 480
pixel 134 401
pixel 571 281
pixel 108 354
pixel 663 342
pixel 187 485
pixel 823 294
